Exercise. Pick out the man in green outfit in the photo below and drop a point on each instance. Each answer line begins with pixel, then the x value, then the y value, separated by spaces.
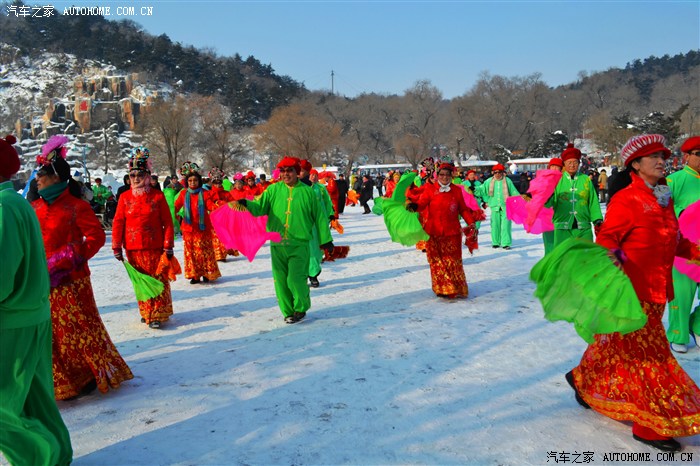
pixel 293 211
pixel 685 189
pixel 494 192
pixel 575 201
pixel 31 428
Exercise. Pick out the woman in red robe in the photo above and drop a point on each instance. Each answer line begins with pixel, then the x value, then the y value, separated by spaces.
pixel 440 206
pixel 143 225
pixel 84 357
pixel 215 198
pixel 634 377
pixel 200 260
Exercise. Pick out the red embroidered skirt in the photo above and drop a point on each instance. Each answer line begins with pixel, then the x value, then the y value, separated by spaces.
pixel 446 268
pixel 200 260
pixel 635 377
pixel 82 349
pixel 220 252
pixel 159 308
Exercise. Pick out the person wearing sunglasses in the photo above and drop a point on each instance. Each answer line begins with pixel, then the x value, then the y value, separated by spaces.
pixel 84 357
pixel 143 225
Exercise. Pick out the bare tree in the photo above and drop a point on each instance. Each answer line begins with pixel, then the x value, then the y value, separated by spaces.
pixel 167 127
pixel 297 129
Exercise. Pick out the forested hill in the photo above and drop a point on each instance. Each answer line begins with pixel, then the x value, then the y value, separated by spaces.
pixel 244 84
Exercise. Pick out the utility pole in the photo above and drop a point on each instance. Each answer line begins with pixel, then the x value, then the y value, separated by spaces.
pixel 332 82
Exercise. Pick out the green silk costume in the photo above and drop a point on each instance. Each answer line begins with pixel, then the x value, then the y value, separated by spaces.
pixel 294 212
pixel 496 200
pixel 315 252
pixel 576 207
pixel 685 188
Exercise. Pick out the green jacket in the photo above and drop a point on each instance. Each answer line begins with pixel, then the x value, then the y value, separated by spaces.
pixel 496 200
pixel 685 188
pixel 574 199
pixel 292 212
pixel 24 275
pixel 323 198
pixel 100 194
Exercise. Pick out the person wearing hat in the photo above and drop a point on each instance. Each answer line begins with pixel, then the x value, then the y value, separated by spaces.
pixel 326 204
pixel 634 377
pixel 100 193
pixel 31 425
pixel 391 184
pixel 343 187
pixel 494 191
pixel 200 261
pixel 215 198
pixel 575 201
pixel 685 189
pixel 366 192
pixel 143 226
pixel 294 212
pixel 603 186
pixel 84 357
pixel 305 167
pixel 252 190
pixel 441 205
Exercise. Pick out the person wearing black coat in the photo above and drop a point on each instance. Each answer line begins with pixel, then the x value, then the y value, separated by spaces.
pixel 366 192
pixel 342 184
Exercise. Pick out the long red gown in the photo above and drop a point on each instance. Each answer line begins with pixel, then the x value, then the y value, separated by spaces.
pixel 634 377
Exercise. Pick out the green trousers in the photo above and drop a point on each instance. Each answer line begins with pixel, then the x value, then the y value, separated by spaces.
pixel 290 266
pixel 31 429
pixel 680 320
pixel 315 255
pixel 562 235
pixel 500 228
pixel 548 240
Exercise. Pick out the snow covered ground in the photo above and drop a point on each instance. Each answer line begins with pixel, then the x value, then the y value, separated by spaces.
pixel 380 372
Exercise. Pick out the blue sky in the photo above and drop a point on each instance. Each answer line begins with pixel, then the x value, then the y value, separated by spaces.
pixel 386 46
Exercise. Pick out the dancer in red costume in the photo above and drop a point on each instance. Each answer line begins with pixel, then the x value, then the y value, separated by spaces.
pixel 144 227
pixel 634 377
pixel 215 198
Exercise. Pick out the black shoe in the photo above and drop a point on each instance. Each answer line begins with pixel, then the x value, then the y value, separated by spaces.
pixel 299 316
pixel 205 279
pixel 570 379
pixel 89 388
pixel 143 321
pixel 290 320
pixel 506 247
pixel 663 445
pixel 495 246
pixel 313 282
pixel 194 281
pixel 154 324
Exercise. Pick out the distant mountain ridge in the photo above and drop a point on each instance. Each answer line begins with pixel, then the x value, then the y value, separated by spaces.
pixel 247 85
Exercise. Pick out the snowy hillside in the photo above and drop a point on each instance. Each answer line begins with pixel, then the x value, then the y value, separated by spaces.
pixel 380 372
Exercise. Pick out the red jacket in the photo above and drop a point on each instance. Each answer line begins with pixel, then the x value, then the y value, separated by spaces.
pixel 648 235
pixel 142 222
pixel 251 192
pixel 440 211
pixel 194 199
pixel 70 220
pixel 216 197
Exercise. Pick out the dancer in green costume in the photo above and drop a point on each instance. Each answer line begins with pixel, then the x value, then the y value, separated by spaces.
pixel 685 186
pixel 31 428
pixel 316 254
pixel 293 211
pixel 494 192
pixel 575 201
